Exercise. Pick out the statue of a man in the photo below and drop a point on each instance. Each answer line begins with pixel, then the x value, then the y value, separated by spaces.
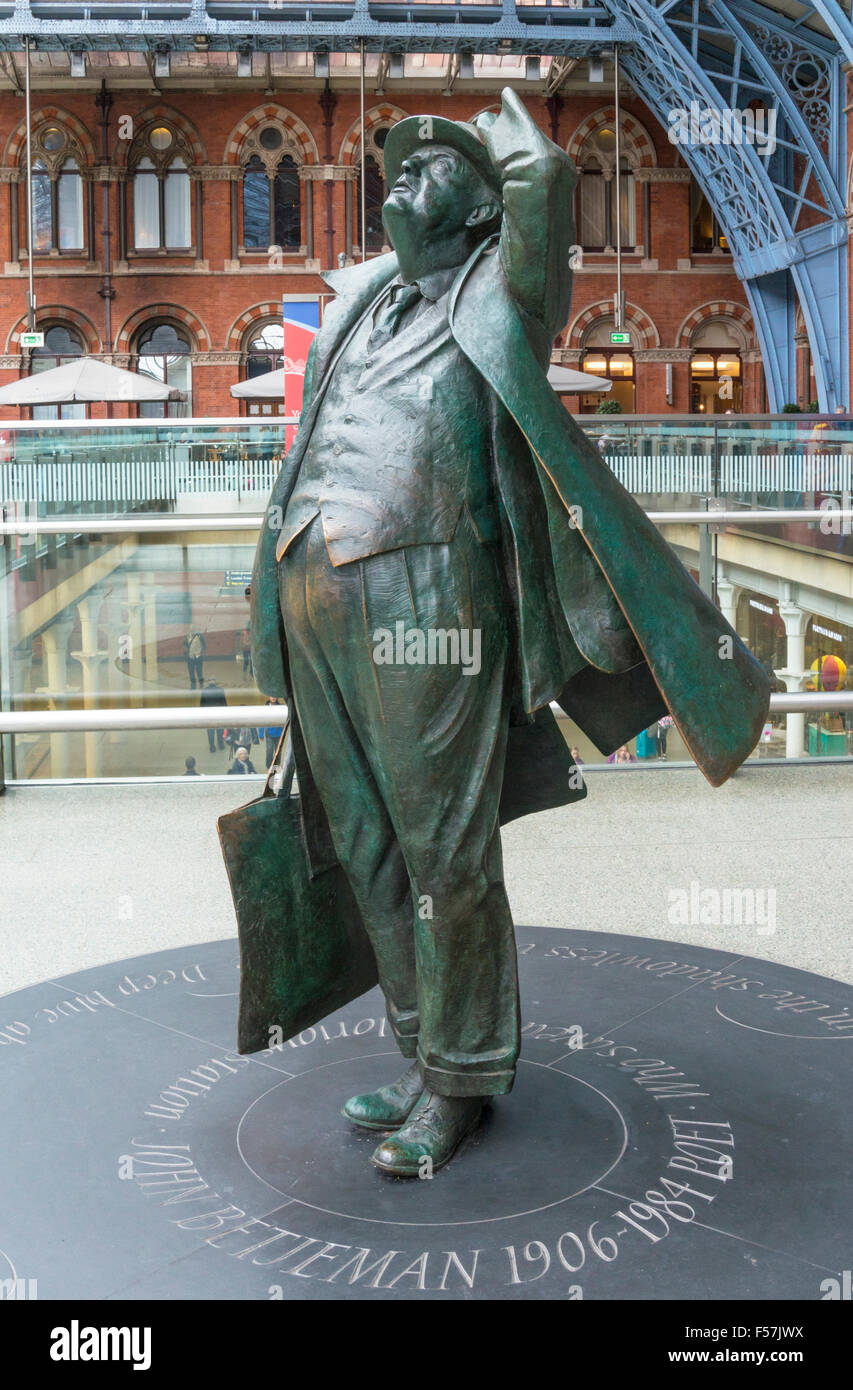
pixel 446 555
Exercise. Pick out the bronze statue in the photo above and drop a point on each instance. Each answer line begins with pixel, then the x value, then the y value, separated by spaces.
pixel 446 554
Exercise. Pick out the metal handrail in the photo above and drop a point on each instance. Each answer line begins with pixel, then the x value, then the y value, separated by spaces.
pixel 700 424
pixel 163 717
pixel 183 424
pixel 122 525
pixel 175 521
pixel 273 716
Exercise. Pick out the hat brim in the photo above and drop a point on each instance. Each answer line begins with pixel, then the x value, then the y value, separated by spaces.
pixel 416 131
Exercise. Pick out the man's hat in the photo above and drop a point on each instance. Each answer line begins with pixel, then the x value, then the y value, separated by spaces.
pixel 466 138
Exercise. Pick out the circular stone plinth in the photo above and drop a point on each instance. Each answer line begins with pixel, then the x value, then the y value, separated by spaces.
pixel 679 1128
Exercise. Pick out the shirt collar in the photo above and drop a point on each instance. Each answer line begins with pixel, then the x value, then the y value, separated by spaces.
pixel 434 284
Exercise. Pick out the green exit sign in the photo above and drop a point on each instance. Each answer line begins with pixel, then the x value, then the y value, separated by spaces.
pixel 32 340
pixel 620 338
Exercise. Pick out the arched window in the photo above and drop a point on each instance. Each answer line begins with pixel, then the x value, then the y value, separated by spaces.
pixel 264 348
pixel 705 232
pixel 600 358
pixel 57 193
pixel 272 208
pixel 61 344
pixel 716 384
pixel 716 370
pixel 161 192
pixel 42 208
pixel 597 194
pixel 257 231
pixel 163 352
pixel 375 190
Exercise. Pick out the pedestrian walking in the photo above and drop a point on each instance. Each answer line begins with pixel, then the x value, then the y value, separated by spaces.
pixel 195 648
pixel 213 694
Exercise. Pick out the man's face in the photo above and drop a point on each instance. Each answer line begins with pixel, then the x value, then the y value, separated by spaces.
pixel 437 190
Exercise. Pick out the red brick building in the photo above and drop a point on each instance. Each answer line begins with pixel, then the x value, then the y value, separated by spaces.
pixel 173 215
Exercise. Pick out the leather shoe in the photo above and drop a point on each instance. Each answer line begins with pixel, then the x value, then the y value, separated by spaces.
pixel 434 1131
pixel 390 1106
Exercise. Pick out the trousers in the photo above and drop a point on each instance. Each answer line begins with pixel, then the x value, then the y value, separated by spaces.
pixel 407 751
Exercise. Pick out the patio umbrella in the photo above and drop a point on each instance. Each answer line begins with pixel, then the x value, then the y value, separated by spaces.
pixel 270 386
pixel 563 379
pixel 565 382
pixel 86 379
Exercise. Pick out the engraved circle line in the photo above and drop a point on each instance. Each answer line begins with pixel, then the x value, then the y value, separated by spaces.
pixel 480 1221
pixel 796 1037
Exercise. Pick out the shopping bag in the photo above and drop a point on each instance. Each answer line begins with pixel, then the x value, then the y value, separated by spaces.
pixel 303 949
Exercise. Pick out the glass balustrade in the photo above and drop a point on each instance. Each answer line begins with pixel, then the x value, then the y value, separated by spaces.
pixel 740 462
pixel 136 619
pixel 114 467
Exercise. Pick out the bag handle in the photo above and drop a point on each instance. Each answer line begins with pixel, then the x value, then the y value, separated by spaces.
pixel 288 765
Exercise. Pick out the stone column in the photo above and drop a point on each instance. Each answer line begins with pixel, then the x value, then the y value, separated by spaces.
pixel 91 657
pixel 55 646
pixel 328 175
pixel 135 606
pixel 728 595
pixel 796 620
pixel 116 691
pixel 116 682
pixel 149 624
pixel 609 225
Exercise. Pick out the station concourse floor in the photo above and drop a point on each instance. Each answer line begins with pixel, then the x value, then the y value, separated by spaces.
pixel 99 873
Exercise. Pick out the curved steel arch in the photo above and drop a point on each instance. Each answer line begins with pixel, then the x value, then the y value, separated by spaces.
pixel 784 215
pixel 838 23
pixel 768 52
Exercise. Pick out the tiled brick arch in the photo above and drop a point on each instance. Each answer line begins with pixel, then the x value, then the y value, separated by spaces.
pixel 271 111
pixel 271 309
pixel 643 328
pixel 158 114
pixel 200 338
pixel 637 144
pixel 717 309
pixel 16 145
pixel 383 114
pixel 50 314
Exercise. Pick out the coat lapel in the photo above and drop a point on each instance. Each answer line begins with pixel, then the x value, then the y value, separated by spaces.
pixel 355 286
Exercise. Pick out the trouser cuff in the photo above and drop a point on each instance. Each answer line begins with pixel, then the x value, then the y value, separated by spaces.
pixel 466 1083
pixel 405 1027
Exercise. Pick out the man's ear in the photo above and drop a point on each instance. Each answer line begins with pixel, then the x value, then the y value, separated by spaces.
pixel 483 212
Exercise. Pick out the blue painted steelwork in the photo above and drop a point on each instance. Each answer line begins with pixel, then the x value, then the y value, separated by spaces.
pixel 839 22
pixel 322 26
pixel 782 213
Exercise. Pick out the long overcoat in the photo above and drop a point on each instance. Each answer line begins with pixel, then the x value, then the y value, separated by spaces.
pixel 607 622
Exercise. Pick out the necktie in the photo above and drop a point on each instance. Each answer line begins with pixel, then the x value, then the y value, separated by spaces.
pixel 388 318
